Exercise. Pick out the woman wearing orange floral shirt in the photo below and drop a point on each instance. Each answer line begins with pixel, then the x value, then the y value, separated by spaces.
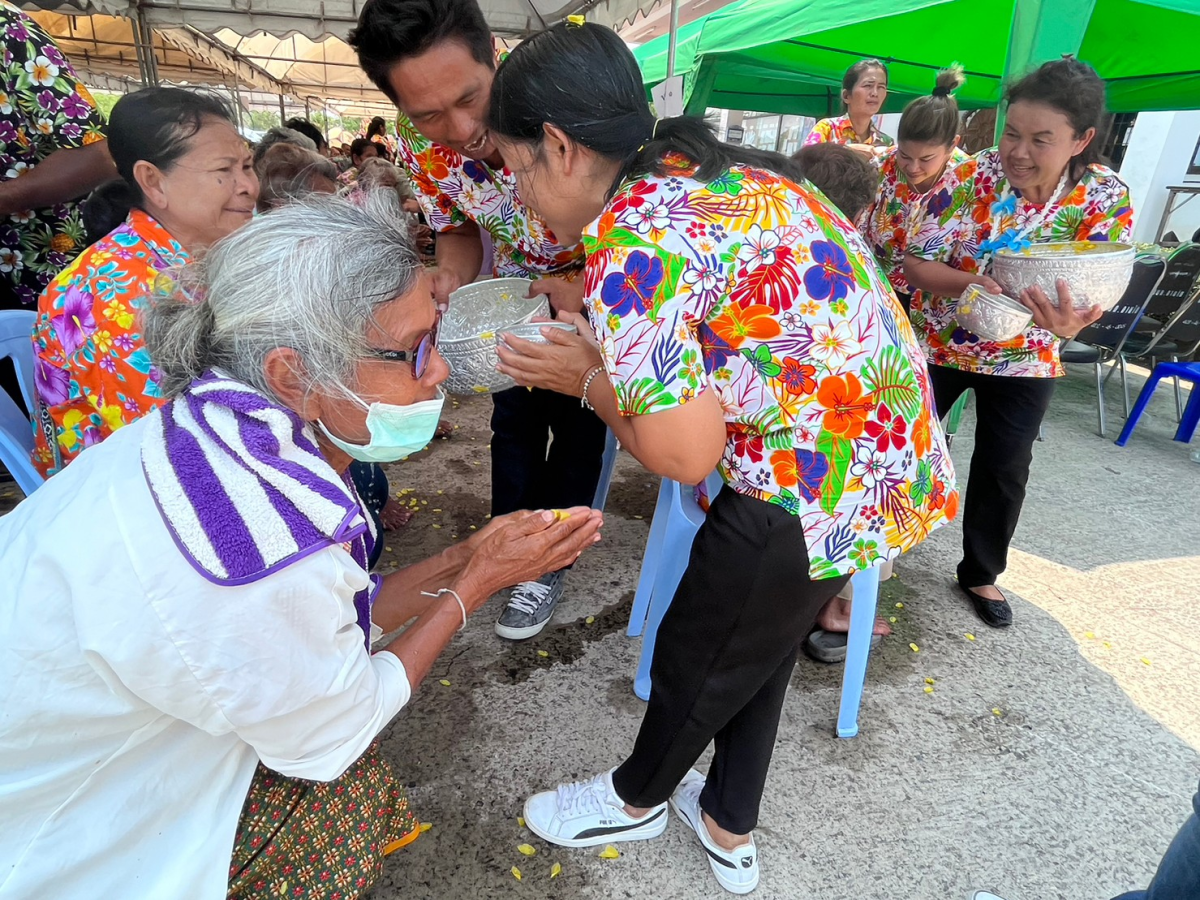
pixel 864 88
pixel 185 182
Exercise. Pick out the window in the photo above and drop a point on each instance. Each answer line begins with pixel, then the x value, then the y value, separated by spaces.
pixel 1194 165
pixel 1116 141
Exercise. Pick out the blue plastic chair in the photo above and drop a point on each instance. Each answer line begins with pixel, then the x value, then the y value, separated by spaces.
pixel 677 518
pixel 16 433
pixel 1188 371
pixel 607 465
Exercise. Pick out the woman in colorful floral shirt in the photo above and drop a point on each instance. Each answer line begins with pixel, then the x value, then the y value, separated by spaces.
pixel 910 173
pixel 186 180
pixel 864 88
pixel 738 329
pixel 1043 183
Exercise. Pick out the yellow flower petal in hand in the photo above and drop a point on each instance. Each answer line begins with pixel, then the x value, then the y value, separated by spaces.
pixel 425 826
pixel 526 849
pixel 516 873
pixel 914 648
pixel 556 870
pixel 610 852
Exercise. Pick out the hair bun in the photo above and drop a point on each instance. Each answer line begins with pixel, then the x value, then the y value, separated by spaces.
pixel 948 81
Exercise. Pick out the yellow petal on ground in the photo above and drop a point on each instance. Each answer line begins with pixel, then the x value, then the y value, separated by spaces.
pixel 472 528
pixel 444 682
pixel 437 510
pixel 930 681
pixel 892 619
pixel 1089 635
pixel 441 492
pixel 527 849
pixel 435 525
pixel 543 653
pixel 516 873
pixel 996 711
pixel 520 822
pixel 914 648
pixel 388 549
pixel 899 606
pixel 1146 661
pixel 556 870
pixel 928 689
pixel 589 620
pixel 424 502
pixel 969 636
pixel 1107 645
pixel 610 852
pixel 639 517
pixel 425 826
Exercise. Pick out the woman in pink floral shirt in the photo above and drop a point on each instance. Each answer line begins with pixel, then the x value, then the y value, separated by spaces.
pixel 737 328
pixel 1043 183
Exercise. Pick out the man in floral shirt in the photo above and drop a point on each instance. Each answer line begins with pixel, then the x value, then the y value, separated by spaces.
pixel 435 60
pixel 52 154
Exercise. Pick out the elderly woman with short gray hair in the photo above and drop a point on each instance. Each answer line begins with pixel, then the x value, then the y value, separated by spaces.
pixel 190 698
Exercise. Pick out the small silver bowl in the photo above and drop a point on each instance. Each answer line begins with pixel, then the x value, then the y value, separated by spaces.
pixel 533 331
pixel 477 314
pixel 1097 272
pixel 993 317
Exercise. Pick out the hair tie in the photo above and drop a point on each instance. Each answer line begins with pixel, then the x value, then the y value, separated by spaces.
pixel 654 130
pixel 942 92
pixel 576 21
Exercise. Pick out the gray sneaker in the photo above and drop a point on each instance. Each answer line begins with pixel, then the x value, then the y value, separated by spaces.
pixel 530 607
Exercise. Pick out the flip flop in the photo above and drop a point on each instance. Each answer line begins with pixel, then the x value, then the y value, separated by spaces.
pixel 830 646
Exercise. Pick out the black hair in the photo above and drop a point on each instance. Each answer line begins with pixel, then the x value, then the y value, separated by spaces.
pixel 934 119
pixel 390 31
pixel 841 174
pixel 154 124
pixel 857 71
pixel 361 144
pixel 1074 89
pixel 377 126
pixel 309 130
pixel 584 80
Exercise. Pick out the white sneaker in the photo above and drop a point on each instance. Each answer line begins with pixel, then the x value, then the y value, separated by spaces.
pixel 588 813
pixel 736 870
pixel 985 895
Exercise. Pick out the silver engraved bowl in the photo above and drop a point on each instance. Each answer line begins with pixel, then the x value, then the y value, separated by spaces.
pixel 478 313
pixel 994 317
pixel 1096 271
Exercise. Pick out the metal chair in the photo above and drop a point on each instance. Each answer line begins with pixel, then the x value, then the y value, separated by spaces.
pixel 1104 341
pixel 16 432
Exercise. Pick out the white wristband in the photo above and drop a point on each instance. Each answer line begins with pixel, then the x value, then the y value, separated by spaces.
pixel 462 606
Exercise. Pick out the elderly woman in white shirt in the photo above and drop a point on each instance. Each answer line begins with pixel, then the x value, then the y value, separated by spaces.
pixel 188 699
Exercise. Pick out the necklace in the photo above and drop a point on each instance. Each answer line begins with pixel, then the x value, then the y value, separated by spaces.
pixel 1019 236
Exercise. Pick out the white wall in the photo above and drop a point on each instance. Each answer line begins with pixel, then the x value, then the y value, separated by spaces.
pixel 1160 149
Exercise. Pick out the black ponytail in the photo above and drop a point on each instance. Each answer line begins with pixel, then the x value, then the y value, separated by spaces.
pixel 584 80
pixel 156 125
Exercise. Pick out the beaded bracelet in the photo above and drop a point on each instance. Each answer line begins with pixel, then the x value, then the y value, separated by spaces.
pixel 587 383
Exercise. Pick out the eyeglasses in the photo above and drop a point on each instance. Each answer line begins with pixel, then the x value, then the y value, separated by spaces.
pixel 421 353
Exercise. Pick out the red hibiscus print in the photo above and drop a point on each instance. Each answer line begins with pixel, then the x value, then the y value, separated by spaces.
pixel 888 430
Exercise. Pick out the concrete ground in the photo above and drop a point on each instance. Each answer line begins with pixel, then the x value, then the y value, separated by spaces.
pixel 1052 760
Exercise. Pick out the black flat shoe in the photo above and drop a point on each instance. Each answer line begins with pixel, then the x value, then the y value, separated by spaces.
pixel 996 613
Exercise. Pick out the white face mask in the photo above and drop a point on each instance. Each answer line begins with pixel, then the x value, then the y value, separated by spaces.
pixel 396 431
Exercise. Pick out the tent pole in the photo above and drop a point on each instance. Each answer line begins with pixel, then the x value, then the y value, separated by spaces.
pixel 282 110
pixel 237 105
pixel 672 39
pixel 143 38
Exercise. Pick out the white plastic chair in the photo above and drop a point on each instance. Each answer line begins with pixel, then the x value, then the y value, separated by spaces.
pixel 16 433
pixel 677 518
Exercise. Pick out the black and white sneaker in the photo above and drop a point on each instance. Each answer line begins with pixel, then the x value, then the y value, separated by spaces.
pixel 736 870
pixel 530 606
pixel 588 813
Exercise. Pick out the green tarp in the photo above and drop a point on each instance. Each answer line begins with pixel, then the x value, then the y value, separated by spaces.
pixel 788 56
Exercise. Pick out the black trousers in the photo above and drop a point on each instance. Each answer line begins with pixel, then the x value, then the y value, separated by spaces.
pixel 722 660
pixel 1009 412
pixel 526 474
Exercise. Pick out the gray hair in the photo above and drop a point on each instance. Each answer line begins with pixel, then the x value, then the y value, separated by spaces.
pixel 308 276
pixel 279 135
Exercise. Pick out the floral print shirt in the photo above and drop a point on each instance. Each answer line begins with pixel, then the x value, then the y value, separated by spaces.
pixel 974 214
pixel 453 190
pixel 840 130
pixel 43 108
pixel 91 370
pixel 896 212
pixel 756 287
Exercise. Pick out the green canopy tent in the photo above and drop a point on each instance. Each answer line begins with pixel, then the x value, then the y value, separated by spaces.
pixel 788 56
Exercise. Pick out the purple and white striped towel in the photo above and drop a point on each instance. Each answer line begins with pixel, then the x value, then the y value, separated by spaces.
pixel 242 486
